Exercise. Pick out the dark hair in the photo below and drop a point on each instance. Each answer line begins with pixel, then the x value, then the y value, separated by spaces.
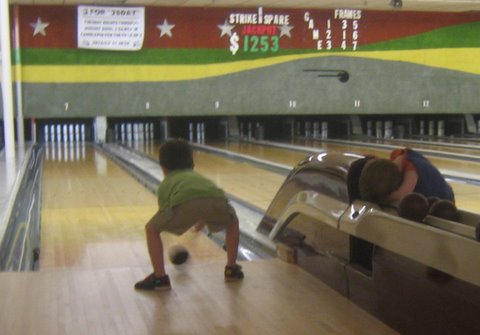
pixel 378 179
pixel 176 154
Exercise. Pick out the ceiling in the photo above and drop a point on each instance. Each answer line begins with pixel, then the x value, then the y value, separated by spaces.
pixel 409 5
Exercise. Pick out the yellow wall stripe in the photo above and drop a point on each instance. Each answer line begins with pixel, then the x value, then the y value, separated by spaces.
pixel 462 59
pixel 465 60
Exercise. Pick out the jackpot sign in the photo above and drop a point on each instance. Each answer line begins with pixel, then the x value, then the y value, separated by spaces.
pixel 259 31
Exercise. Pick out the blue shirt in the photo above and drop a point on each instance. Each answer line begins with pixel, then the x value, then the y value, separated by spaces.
pixel 430 181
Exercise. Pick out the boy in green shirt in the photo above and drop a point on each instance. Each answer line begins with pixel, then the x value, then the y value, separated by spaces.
pixel 185 199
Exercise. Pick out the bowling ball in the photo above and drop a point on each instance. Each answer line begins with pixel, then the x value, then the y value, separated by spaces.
pixel 413 206
pixel 178 254
pixel 431 200
pixel 444 209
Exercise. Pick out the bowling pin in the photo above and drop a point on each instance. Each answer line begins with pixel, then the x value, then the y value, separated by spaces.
pixel 77 133
pixel 70 133
pixel 308 130
pixel 431 128
pixel 379 129
pixel 441 128
pixel 59 133
pixel 226 135
pixel 422 127
pixel 388 130
pixel 82 132
pixel 122 132
pixel 134 132
pixel 45 130
pixel 199 131
pixel 324 129
pixel 115 132
pixel 147 132
pixel 65 133
pixel 316 129
pixel 190 132
pixel 369 128
pixel 52 133
pixel 129 134
pixel 141 132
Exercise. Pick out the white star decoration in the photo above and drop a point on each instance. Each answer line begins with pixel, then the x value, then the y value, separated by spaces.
pixel 39 27
pixel 165 28
pixel 285 30
pixel 226 29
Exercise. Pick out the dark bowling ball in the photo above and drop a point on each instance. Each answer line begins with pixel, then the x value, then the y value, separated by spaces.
pixel 444 209
pixel 431 200
pixel 178 254
pixel 413 206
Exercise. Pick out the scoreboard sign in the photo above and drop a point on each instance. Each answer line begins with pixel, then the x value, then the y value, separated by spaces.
pixel 342 26
pixel 262 31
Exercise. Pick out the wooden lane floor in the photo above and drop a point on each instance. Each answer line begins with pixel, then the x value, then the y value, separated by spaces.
pixel 93 215
pixel 276 298
pixel 451 145
pixel 448 164
pixel 467 195
pixel 289 157
pixel 93 251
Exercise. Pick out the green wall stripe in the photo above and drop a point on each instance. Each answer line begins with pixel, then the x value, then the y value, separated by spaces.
pixel 460 36
pixel 465 35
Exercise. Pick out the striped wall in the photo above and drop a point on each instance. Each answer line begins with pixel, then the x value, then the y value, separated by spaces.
pixel 250 61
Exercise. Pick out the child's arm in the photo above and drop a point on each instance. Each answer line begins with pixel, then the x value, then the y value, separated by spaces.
pixel 198 226
pixel 410 175
pixel 410 178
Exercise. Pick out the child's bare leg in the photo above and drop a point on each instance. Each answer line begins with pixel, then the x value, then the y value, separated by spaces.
pixel 155 250
pixel 232 237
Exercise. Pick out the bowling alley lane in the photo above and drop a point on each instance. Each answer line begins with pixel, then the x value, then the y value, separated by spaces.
pixel 444 164
pixel 291 157
pixel 467 195
pixel 453 146
pixel 93 213
pixel 243 180
pixel 93 250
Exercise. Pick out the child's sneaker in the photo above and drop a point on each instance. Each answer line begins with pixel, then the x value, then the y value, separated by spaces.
pixel 154 283
pixel 233 273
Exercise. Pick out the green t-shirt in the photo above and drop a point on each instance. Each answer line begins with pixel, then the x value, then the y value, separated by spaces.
pixel 180 186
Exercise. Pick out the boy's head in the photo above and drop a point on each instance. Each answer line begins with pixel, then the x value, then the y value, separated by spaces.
pixel 176 155
pixel 378 179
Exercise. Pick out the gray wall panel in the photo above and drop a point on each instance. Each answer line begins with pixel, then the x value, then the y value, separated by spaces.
pixel 381 87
